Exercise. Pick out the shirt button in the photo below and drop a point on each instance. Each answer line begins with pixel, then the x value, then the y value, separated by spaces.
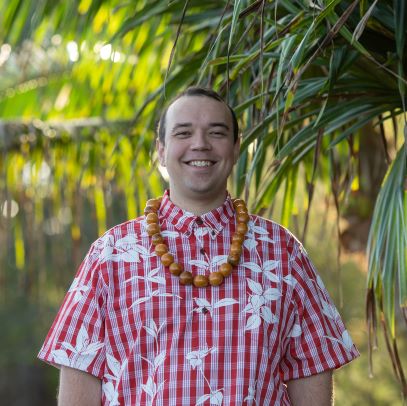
pixel 199 221
pixel 202 251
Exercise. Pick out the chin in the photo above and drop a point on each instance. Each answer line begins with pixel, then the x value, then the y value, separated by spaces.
pixel 207 192
pixel 202 191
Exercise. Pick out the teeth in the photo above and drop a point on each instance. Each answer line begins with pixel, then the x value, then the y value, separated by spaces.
pixel 200 163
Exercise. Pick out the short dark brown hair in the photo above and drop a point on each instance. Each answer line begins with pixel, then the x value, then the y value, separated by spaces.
pixel 196 91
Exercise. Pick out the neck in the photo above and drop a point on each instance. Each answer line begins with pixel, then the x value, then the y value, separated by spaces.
pixel 197 206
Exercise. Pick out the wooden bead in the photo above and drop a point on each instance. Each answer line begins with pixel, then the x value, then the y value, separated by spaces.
pixel 235 248
pixel 155 203
pixel 201 281
pixel 149 209
pixel 241 228
pixel 157 239
pixel 161 249
pixel 152 218
pixel 237 237
pixel 176 269
pixel 226 269
pixel 241 209
pixel 215 278
pixel 237 202
pixel 243 218
pixel 167 259
pixel 186 278
pixel 233 259
pixel 152 229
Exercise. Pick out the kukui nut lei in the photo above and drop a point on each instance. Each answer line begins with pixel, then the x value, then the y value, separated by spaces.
pixel 186 277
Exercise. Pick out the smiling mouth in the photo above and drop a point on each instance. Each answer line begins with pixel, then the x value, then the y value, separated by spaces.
pixel 200 163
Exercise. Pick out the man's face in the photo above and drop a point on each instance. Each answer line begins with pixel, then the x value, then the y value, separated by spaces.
pixel 199 150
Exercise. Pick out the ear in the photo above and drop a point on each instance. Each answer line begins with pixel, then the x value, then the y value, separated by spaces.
pixel 160 147
pixel 236 150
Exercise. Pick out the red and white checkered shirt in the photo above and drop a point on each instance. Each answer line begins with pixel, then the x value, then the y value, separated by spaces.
pixel 152 341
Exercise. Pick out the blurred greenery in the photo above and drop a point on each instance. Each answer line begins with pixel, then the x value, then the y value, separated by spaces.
pixel 319 88
pixel 353 384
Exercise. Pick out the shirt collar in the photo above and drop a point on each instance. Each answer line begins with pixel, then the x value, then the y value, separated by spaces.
pixel 184 221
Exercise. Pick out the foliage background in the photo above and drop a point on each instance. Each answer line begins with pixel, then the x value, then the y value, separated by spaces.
pixel 319 88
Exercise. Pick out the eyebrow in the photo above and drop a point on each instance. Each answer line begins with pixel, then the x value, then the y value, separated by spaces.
pixel 181 125
pixel 187 125
pixel 219 125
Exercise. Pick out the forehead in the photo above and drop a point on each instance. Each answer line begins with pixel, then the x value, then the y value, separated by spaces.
pixel 198 110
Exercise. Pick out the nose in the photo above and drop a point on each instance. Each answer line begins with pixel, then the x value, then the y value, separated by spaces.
pixel 200 141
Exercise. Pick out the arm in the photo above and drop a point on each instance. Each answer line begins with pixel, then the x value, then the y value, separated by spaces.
pixel 312 390
pixel 77 388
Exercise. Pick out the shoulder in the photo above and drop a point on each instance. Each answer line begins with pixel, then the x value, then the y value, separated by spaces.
pixel 270 231
pixel 131 230
pixel 129 227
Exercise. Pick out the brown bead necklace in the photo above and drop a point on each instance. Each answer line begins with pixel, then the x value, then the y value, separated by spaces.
pixel 185 277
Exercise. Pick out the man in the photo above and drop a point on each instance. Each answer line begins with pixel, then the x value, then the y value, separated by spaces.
pixel 197 302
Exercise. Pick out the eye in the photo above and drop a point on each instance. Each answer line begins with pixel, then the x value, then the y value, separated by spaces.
pixel 182 134
pixel 217 134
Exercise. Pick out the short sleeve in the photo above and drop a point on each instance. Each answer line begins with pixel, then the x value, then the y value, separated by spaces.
pixel 76 338
pixel 318 340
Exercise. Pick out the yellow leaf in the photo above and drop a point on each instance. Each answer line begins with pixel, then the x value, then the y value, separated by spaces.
pixel 19 246
pixel 84 6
